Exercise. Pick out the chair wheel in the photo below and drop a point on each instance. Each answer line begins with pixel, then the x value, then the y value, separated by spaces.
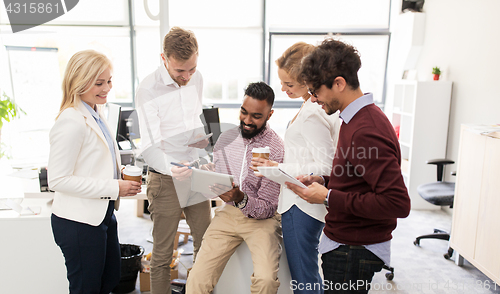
pixel 448 254
pixel 416 243
pixel 389 276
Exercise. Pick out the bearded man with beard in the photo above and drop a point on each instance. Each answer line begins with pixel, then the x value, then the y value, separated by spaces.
pixel 250 212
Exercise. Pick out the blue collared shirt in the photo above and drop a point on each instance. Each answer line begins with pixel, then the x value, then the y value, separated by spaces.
pixel 107 135
pixel 381 250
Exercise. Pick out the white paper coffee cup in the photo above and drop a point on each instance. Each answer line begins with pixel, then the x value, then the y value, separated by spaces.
pixel 262 152
pixel 132 173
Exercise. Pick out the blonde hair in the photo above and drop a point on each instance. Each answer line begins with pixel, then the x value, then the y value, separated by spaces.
pixel 81 73
pixel 291 59
pixel 179 43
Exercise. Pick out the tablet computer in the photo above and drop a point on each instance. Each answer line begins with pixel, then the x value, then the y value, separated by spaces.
pixel 201 180
pixel 277 175
pixel 198 139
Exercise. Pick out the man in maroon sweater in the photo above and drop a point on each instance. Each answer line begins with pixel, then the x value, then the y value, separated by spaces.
pixel 365 192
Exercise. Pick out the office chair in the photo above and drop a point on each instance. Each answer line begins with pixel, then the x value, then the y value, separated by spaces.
pixel 438 193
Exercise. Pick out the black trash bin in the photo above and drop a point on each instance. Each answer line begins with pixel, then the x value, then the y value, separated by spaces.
pixel 131 265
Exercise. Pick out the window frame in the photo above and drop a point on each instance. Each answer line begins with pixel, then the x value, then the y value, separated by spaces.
pixel 340 32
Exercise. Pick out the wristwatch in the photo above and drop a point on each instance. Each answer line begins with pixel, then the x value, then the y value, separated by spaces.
pixel 325 202
pixel 243 202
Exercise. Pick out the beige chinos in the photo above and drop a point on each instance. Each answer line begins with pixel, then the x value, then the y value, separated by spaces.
pixel 228 229
pixel 166 212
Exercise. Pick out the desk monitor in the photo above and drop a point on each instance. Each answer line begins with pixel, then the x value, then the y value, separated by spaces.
pixel 212 125
pixel 128 128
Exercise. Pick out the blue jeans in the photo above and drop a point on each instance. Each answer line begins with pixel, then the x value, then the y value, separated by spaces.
pixel 350 269
pixel 301 234
pixel 92 254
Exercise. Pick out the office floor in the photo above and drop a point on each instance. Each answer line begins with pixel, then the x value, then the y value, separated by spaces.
pixel 417 269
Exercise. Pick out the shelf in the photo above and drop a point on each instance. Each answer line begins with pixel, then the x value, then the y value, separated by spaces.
pixel 405 166
pixel 418 125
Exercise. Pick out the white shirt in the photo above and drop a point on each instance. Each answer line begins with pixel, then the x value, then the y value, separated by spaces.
pixel 169 116
pixel 310 143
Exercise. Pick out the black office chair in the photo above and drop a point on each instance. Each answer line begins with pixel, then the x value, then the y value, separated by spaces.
pixel 438 193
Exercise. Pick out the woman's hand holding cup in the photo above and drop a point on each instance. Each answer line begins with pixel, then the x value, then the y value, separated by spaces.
pixel 128 188
pixel 132 181
pixel 259 161
pixel 259 153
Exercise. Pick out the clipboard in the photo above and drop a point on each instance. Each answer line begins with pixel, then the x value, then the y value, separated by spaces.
pixel 202 179
pixel 277 175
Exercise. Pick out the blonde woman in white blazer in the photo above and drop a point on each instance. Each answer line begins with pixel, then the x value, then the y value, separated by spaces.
pixel 310 142
pixel 84 172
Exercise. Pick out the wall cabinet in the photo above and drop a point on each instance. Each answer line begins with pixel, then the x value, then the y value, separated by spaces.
pixel 475 234
pixel 420 114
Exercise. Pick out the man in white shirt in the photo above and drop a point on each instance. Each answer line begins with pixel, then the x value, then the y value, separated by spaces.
pixel 169 106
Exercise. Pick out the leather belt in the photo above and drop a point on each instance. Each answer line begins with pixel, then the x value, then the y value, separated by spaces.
pixel 150 169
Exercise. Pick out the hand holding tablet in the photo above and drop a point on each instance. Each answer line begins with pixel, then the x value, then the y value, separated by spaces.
pixel 277 175
pixel 197 140
pixel 202 180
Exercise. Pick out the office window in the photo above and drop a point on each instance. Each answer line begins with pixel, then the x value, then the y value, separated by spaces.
pixel 363 24
pixel 372 48
pixel 229 35
pixel 238 45
pixel 33 77
pixel 316 15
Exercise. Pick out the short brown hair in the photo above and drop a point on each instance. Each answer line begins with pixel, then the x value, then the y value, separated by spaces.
pixel 179 43
pixel 330 60
pixel 290 60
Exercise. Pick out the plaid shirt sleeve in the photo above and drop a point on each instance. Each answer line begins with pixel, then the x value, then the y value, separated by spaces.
pixel 263 194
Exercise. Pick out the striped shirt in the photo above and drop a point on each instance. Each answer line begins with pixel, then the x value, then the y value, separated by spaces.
pixel 233 156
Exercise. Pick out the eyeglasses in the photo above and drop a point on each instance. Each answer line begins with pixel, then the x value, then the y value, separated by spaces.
pixel 312 92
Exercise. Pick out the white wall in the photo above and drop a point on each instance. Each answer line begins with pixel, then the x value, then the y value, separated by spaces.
pixel 462 37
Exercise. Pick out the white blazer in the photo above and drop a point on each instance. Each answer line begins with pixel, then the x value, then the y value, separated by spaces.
pixel 79 169
pixel 310 144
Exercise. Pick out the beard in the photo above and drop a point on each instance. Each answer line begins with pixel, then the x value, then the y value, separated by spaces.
pixel 180 82
pixel 331 107
pixel 249 134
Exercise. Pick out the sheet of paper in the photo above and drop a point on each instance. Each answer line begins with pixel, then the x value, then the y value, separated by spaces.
pixel 277 175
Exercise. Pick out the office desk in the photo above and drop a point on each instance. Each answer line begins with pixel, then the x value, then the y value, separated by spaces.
pixel 475 234
pixel 32 190
pixel 30 260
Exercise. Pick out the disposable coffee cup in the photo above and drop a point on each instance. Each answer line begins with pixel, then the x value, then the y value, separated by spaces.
pixel 262 152
pixel 132 173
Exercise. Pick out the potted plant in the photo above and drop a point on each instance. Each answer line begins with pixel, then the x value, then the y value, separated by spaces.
pixel 436 72
pixel 8 110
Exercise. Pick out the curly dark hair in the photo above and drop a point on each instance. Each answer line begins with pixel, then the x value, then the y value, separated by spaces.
pixel 330 60
pixel 260 91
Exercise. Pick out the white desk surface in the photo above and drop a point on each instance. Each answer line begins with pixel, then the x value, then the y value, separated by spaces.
pixel 32 262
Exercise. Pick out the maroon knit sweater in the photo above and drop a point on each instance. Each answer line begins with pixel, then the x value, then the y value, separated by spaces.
pixel 367 192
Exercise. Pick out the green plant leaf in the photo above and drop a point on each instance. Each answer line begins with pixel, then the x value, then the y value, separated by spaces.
pixel 8 109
